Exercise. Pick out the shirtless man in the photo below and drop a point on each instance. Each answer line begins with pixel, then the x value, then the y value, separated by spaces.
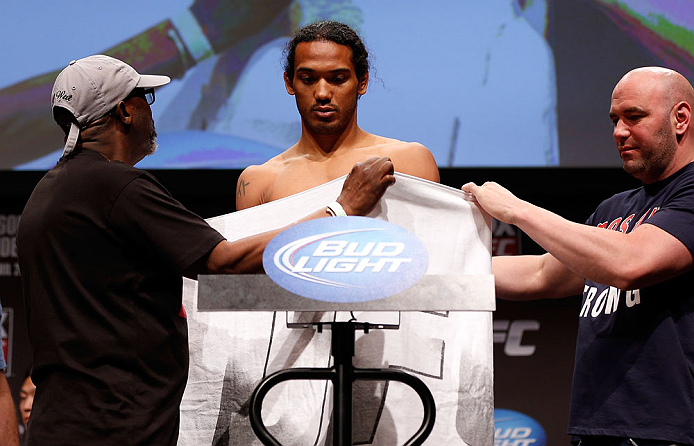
pixel 327 71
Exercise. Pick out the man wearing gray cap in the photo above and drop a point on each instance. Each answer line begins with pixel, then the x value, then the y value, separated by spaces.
pixel 102 247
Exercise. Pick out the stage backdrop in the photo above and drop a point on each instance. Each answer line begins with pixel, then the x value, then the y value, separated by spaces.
pixel 444 73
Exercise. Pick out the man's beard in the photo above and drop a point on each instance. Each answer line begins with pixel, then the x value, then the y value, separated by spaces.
pixel 660 155
pixel 327 128
pixel 152 143
pixel 345 114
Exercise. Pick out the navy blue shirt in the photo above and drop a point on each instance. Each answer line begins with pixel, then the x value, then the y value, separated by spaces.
pixel 634 368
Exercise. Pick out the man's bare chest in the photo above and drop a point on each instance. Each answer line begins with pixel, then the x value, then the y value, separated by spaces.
pixel 300 176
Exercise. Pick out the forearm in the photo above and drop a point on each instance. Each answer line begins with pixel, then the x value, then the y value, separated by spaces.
pixel 533 277
pixel 362 189
pixel 601 255
pixel 9 435
pixel 626 260
pixel 245 256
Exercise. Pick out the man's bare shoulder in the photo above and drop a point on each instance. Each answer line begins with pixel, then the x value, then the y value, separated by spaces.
pixel 253 183
pixel 398 147
pixel 411 158
pixel 256 184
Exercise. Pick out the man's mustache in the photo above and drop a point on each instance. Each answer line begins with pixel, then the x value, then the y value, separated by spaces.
pixel 325 108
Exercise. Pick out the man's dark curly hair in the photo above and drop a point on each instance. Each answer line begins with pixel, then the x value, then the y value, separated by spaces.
pixel 330 31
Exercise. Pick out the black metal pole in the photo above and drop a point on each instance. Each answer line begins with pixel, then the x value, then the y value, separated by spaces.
pixel 343 375
pixel 342 350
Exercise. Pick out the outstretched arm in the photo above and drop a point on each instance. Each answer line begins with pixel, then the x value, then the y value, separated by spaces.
pixel 363 188
pixel 533 277
pixel 608 257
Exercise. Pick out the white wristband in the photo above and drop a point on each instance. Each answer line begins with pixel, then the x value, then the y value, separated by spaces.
pixel 335 209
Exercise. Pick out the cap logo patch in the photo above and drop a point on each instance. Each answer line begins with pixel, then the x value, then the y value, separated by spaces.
pixel 61 95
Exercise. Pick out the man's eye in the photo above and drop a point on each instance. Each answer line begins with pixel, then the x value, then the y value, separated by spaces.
pixel 307 80
pixel 634 118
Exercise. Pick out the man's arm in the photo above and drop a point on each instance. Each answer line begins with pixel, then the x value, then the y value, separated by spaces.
pixel 363 188
pixel 607 257
pixel 251 185
pixel 534 277
pixel 9 434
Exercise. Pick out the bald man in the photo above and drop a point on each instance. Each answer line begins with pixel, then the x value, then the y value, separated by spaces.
pixel 632 260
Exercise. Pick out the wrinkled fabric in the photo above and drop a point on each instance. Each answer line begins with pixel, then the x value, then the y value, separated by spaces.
pixel 450 351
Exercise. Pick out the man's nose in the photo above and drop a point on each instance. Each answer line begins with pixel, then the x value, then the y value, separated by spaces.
pixel 322 91
pixel 620 131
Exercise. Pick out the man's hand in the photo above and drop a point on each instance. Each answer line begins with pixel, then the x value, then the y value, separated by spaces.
pixel 496 201
pixel 365 185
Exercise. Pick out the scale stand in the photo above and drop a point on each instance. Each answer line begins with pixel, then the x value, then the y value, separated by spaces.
pixel 259 293
pixel 343 375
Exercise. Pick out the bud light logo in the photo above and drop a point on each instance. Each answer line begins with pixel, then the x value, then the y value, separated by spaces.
pixel 513 428
pixel 345 259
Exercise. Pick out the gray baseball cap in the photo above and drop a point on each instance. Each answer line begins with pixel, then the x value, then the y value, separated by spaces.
pixel 89 88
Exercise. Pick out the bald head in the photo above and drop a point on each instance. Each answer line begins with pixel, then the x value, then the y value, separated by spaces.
pixel 651 112
pixel 666 86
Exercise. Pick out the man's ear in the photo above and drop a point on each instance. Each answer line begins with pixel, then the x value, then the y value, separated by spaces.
pixel 123 113
pixel 288 84
pixel 683 117
pixel 363 83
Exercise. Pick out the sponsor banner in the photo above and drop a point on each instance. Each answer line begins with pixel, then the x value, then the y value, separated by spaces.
pixel 6 330
pixel 10 289
pixel 345 259
pixel 9 267
pixel 510 334
pixel 534 345
pixel 513 428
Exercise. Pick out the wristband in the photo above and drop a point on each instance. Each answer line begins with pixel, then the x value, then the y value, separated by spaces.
pixel 335 209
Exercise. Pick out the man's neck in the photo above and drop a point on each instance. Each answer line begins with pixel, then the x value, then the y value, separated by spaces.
pixel 312 143
pixel 683 157
pixel 112 152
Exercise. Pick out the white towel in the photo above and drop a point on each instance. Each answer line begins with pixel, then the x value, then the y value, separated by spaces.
pixel 230 352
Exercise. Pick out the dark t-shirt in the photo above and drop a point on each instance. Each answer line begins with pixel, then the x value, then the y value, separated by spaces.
pixel 634 370
pixel 102 247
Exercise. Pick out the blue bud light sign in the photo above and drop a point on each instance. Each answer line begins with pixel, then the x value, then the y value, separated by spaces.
pixel 345 259
pixel 513 428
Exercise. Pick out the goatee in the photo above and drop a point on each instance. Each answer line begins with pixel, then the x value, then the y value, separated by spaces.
pixel 152 146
